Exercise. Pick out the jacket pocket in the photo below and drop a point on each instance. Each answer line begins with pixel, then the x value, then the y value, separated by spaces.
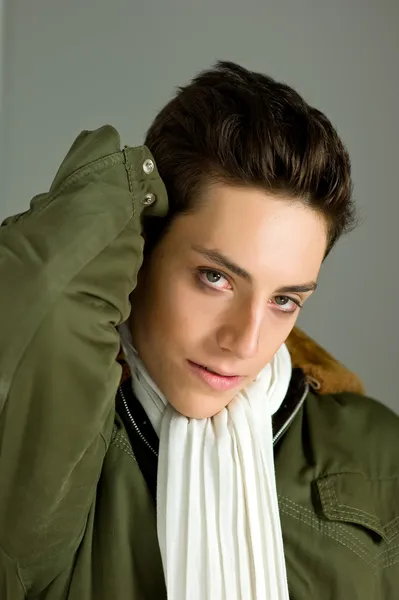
pixel 356 499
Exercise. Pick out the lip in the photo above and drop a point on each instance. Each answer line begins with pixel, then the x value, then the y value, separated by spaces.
pixel 219 383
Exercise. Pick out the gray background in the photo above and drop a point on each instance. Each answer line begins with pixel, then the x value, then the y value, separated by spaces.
pixel 77 65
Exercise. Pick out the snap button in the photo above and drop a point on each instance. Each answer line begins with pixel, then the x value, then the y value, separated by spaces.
pixel 148 166
pixel 148 199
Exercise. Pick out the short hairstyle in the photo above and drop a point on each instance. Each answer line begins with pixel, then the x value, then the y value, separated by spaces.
pixel 244 128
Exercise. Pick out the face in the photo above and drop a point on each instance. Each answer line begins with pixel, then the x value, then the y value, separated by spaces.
pixel 221 292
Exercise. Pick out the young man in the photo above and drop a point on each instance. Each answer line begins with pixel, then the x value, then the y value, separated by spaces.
pixel 209 469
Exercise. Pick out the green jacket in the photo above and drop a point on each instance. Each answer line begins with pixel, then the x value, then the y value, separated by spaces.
pixel 77 515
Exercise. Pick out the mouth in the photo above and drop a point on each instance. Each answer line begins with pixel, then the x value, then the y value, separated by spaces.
pixel 217 381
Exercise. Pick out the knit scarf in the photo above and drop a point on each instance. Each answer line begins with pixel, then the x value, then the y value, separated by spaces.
pixel 218 520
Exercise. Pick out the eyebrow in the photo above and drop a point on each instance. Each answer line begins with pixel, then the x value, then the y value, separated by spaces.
pixel 223 261
pixel 305 287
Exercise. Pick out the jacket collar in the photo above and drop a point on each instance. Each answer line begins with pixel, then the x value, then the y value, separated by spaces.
pixel 324 372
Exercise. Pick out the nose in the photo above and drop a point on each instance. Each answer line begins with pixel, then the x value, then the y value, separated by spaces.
pixel 240 331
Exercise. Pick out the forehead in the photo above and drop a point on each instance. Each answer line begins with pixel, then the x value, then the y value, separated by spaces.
pixel 263 234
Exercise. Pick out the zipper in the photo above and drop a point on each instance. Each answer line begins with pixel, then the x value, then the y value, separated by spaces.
pixel 134 424
pixel 292 416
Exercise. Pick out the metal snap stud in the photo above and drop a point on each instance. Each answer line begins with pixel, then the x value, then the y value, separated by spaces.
pixel 148 166
pixel 148 199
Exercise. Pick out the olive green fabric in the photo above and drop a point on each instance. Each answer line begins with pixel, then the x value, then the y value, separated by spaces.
pixel 77 521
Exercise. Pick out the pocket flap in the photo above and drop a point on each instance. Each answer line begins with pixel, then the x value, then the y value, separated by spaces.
pixel 372 503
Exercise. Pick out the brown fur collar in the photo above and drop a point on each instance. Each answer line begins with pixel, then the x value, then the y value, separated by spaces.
pixel 324 372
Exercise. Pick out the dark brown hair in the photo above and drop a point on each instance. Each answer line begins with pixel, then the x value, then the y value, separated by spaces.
pixel 243 128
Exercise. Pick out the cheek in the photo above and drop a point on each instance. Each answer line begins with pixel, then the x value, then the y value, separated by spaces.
pixel 178 313
pixel 275 332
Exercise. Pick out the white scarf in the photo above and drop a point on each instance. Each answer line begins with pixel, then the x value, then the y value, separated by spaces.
pixel 218 520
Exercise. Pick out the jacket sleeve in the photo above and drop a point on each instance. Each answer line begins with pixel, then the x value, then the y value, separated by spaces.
pixel 67 267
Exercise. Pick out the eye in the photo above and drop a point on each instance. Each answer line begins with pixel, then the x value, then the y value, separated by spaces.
pixel 287 304
pixel 213 279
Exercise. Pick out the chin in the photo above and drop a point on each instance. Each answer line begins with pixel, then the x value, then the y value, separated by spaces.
pixel 199 408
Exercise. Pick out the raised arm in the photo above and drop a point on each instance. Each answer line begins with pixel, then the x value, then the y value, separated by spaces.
pixel 67 267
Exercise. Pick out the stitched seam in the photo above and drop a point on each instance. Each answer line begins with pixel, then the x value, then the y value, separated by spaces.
pixel 120 439
pixel 331 531
pixel 328 501
pixel 385 560
pixel 354 512
pixel 104 162
pixel 339 513
pixel 394 526
pixel 390 525
pixel 390 561
pixel 350 509
pixel 126 447
pixel 129 169
pixel 386 554
pixel 334 526
pixel 120 442
pixel 337 533
pixel 114 434
pixel 330 534
pixel 330 483
pixel 371 522
pixel 395 562
pixel 125 450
